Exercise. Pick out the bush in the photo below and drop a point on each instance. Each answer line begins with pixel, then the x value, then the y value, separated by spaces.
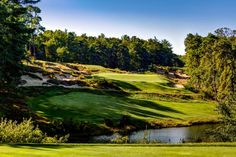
pixel 120 139
pixel 25 132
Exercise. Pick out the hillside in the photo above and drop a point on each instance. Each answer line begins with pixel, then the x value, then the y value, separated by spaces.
pixel 108 100
pixel 101 83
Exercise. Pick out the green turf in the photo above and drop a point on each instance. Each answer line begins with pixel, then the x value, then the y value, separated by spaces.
pixel 95 107
pixel 150 98
pixel 117 151
pixel 135 77
pixel 149 83
pixel 100 69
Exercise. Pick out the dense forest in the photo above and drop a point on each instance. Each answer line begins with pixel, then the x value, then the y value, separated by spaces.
pixel 127 53
pixel 19 22
pixel 211 63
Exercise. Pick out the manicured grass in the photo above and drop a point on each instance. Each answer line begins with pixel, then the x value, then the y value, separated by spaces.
pixel 95 106
pixel 150 98
pixel 135 77
pixel 148 83
pixel 118 151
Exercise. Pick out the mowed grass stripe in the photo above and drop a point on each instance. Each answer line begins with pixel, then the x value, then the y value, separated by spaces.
pixel 148 83
pixel 94 108
pixel 134 77
pixel 117 151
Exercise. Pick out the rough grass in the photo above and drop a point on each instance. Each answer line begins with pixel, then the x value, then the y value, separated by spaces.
pixel 196 150
pixel 101 69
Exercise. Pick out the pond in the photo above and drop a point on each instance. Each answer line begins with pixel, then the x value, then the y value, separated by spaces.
pixel 165 135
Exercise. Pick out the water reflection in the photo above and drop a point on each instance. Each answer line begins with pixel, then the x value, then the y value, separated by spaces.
pixel 165 135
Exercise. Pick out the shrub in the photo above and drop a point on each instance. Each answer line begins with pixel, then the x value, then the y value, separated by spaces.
pixel 120 139
pixel 24 132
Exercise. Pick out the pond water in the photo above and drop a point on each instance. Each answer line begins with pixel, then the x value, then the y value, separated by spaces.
pixel 165 135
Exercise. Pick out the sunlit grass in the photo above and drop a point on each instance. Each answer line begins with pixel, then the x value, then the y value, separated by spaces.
pixel 118 151
pixel 149 83
pixel 149 98
pixel 135 77
pixel 94 108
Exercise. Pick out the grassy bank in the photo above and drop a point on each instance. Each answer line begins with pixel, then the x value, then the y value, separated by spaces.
pixel 150 98
pixel 95 106
pixel 97 100
pixel 194 150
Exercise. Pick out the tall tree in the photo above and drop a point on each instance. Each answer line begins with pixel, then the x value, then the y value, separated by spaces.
pixel 18 23
pixel 211 62
pixel 125 53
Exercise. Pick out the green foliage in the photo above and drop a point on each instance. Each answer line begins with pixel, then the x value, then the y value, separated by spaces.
pixel 211 62
pixel 25 132
pixel 19 20
pixel 120 139
pixel 126 53
pixel 227 131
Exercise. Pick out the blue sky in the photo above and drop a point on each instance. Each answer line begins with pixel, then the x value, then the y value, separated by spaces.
pixel 165 19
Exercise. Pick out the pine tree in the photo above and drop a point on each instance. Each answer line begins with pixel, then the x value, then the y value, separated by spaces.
pixel 19 21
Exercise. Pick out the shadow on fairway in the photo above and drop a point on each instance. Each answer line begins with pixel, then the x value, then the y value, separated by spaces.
pixel 97 105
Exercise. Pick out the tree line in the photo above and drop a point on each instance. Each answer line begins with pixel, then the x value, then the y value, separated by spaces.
pixel 126 53
pixel 18 21
pixel 211 62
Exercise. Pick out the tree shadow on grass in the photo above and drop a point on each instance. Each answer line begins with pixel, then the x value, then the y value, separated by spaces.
pixel 115 106
pixel 125 85
pixel 43 147
pixel 153 105
pixel 102 105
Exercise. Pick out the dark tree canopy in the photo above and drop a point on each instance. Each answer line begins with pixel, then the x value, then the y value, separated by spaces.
pixel 19 20
pixel 127 53
pixel 211 62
